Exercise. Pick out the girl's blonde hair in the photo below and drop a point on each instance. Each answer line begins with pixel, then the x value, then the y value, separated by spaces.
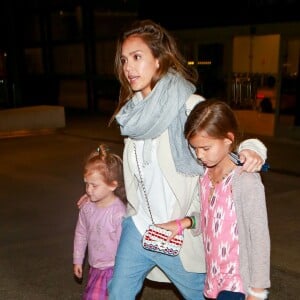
pixel 163 47
pixel 216 118
pixel 109 165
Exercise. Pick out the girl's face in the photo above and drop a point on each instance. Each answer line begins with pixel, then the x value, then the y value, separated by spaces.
pixel 97 189
pixel 211 151
pixel 139 64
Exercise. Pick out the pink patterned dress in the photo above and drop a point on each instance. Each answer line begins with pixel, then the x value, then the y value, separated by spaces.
pixel 220 236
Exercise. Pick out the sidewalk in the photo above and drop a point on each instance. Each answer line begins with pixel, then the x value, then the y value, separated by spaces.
pixel 41 181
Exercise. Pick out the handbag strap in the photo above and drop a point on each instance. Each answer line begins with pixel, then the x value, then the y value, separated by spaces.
pixel 142 183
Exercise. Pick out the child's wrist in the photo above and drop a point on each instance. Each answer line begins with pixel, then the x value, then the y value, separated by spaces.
pixel 262 295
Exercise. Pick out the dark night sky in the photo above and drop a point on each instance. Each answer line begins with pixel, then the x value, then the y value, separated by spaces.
pixel 176 14
pixel 189 14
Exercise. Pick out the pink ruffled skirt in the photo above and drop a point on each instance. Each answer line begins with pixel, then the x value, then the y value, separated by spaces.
pixel 96 288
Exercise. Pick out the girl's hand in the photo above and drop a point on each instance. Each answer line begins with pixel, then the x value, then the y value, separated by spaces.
pixel 252 162
pixel 261 294
pixel 77 269
pixel 83 199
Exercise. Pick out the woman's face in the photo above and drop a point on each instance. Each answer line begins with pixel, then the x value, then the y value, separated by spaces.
pixel 139 64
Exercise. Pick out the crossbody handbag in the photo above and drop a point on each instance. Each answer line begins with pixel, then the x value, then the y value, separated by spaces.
pixel 155 238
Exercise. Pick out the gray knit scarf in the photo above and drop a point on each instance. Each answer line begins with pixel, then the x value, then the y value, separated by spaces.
pixel 164 108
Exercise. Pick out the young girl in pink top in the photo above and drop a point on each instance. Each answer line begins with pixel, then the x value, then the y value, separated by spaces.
pixel 233 218
pixel 99 222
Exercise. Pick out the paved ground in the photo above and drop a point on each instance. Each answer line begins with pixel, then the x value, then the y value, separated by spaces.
pixel 41 181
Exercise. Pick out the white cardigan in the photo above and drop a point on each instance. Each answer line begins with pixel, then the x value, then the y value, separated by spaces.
pixel 186 191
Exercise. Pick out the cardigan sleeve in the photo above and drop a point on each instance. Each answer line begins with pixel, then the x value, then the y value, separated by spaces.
pixel 255 145
pixel 253 229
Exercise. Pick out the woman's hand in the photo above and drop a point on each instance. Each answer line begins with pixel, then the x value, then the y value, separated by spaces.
pixel 83 199
pixel 252 162
pixel 171 226
pixel 175 226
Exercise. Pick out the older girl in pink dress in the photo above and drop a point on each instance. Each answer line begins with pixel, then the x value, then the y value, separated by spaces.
pixel 233 220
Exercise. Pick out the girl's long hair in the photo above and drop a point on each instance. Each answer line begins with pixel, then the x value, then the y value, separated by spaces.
pixel 216 118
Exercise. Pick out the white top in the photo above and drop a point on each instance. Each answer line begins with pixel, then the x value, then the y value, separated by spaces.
pixel 157 189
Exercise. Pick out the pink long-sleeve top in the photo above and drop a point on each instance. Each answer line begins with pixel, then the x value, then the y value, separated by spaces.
pixel 98 229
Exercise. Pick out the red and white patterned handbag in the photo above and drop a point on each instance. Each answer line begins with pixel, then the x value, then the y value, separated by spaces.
pixel 155 239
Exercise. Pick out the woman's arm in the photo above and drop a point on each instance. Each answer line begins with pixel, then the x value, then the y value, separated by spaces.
pixel 253 154
pixel 82 200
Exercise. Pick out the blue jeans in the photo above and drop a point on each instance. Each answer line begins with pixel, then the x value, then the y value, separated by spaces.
pixel 133 263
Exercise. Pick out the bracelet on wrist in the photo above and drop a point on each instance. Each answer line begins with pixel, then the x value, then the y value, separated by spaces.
pixel 180 229
pixel 193 222
pixel 259 295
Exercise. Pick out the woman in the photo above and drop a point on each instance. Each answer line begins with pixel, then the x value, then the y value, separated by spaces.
pixel 156 95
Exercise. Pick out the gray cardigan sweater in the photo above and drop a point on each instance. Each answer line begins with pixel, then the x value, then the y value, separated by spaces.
pixel 252 220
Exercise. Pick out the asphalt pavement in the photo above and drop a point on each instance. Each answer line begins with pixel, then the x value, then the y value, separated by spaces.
pixel 41 180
